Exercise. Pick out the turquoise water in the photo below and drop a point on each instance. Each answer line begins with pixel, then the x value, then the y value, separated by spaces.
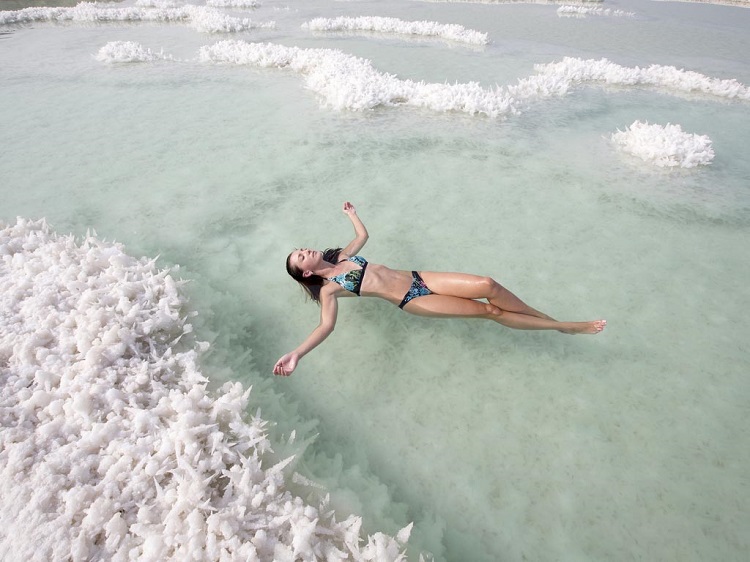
pixel 499 445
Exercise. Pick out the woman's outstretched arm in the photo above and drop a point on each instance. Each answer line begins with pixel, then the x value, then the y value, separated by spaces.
pixel 359 229
pixel 328 312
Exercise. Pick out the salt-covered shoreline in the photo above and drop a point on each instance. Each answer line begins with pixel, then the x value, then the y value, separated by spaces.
pixel 112 445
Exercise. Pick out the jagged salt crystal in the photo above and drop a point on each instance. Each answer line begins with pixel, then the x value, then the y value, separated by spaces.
pixel 126 460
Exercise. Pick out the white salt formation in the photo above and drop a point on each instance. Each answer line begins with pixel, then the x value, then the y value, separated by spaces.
pixel 583 11
pixel 572 71
pixel 394 26
pixel 233 3
pixel 112 448
pixel 128 51
pixel 349 82
pixel 200 18
pixel 666 147
pixel 158 3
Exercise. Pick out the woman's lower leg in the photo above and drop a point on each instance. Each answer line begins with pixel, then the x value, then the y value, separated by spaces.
pixel 519 321
pixel 505 300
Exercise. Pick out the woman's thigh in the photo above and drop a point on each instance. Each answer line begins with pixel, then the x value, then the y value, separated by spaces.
pixel 449 307
pixel 462 285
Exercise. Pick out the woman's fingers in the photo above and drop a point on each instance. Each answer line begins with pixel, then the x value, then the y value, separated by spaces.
pixel 284 366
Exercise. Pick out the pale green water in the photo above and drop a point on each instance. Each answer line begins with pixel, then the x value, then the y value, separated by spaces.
pixel 500 445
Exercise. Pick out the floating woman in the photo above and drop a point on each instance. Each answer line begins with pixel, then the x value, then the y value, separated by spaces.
pixel 335 273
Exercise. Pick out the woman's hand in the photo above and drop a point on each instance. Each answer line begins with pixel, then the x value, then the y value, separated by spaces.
pixel 359 230
pixel 286 365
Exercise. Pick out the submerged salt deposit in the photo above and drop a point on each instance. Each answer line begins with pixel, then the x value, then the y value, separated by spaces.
pixel 665 146
pixel 395 26
pixel 112 446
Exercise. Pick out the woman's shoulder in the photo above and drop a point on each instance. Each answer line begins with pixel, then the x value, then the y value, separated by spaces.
pixel 359 260
pixel 331 289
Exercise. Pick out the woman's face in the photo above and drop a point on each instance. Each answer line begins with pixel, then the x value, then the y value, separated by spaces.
pixel 306 260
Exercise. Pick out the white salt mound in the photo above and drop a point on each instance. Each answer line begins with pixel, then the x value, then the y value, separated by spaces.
pixel 667 146
pixel 128 51
pixel 451 32
pixel 112 448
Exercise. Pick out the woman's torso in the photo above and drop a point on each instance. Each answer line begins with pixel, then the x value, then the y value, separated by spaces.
pixel 376 281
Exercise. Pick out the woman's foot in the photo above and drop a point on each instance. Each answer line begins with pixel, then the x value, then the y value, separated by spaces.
pixel 593 327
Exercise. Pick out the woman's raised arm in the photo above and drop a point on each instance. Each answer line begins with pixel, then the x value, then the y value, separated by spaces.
pixel 360 231
pixel 328 312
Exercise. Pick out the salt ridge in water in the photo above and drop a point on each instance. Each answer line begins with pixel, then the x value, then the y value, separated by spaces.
pixel 158 3
pixel 583 11
pixel 349 82
pixel 112 446
pixel 200 18
pixel 451 32
pixel 250 4
pixel 666 147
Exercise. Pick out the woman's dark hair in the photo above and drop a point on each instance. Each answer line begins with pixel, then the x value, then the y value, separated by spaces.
pixel 313 283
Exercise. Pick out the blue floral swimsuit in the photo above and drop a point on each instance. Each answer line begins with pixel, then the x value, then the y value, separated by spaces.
pixel 418 289
pixel 352 281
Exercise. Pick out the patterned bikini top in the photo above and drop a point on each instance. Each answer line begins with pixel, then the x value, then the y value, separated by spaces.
pixel 352 280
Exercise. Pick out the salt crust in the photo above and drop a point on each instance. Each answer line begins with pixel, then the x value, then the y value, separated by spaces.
pixel 233 3
pixel 200 18
pixel 128 51
pixel 451 32
pixel 583 11
pixel 112 446
pixel 349 82
pixel 666 147
pixel 158 3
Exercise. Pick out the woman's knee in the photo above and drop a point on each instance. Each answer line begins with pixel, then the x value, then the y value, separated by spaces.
pixel 493 287
pixel 492 311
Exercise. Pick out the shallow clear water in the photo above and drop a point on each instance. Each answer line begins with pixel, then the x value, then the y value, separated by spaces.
pixel 499 445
